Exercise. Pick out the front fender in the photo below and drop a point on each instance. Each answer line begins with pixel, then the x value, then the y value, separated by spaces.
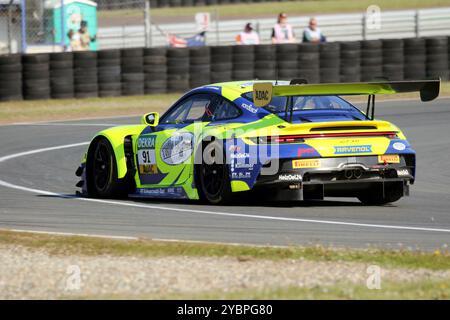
pixel 116 136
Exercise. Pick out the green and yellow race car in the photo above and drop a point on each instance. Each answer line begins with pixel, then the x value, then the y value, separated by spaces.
pixel 287 140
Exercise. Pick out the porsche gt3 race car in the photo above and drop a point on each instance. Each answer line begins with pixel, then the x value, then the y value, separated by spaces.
pixel 288 140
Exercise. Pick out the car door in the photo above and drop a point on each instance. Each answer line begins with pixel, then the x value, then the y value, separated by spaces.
pixel 165 154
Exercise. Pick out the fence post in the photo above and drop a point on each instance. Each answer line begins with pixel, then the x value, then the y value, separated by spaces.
pixel 148 25
pixel 216 16
pixel 63 27
pixel 23 15
pixel 364 27
pixel 417 23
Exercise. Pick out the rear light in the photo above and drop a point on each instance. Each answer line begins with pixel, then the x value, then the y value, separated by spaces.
pixel 302 137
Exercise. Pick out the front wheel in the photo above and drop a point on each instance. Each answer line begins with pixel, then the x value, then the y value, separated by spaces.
pixel 213 175
pixel 102 172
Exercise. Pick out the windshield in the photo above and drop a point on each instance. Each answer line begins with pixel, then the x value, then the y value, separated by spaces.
pixel 306 103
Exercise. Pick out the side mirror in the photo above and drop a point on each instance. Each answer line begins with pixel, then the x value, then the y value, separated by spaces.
pixel 151 119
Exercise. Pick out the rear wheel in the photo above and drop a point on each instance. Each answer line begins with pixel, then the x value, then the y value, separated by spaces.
pixel 213 175
pixel 102 172
pixel 377 197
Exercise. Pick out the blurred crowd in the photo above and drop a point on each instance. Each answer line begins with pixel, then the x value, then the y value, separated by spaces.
pixel 282 32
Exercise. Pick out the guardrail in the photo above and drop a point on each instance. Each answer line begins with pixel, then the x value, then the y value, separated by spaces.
pixel 341 27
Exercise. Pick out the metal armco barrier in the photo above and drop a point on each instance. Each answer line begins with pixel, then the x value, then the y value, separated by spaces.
pixel 336 27
pixel 135 71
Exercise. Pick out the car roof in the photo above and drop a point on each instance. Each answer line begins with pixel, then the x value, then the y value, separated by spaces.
pixel 244 86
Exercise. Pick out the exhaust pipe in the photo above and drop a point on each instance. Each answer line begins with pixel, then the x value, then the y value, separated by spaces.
pixel 357 173
pixel 348 174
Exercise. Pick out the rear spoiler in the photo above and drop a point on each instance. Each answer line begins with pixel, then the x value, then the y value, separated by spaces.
pixel 263 91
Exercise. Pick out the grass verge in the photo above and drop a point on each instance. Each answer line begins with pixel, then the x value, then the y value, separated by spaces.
pixel 425 289
pixel 90 246
pixel 70 109
pixel 293 8
pixel 66 109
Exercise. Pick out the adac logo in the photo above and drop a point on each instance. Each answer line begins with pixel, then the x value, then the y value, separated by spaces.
pixel 262 94
pixel 353 149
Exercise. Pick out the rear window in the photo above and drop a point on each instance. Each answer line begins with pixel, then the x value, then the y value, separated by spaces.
pixel 300 103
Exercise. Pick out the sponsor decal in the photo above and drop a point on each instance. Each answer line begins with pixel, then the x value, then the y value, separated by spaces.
pixel 402 172
pixel 400 146
pixel 148 169
pixel 146 142
pixel 234 148
pixel 306 163
pixel 249 108
pixel 305 151
pixel 241 175
pixel 171 192
pixel 262 94
pixel 389 158
pixel 240 155
pixel 146 154
pixel 178 148
pixel 240 165
pixel 290 177
pixel 353 149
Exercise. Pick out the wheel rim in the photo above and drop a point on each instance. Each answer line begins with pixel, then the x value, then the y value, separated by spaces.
pixel 102 166
pixel 212 179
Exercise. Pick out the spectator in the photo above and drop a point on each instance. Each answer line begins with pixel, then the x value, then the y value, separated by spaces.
pixel 282 32
pixel 248 36
pixel 85 38
pixel 74 41
pixel 312 33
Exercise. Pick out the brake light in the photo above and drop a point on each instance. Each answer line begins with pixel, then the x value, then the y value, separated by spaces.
pixel 302 137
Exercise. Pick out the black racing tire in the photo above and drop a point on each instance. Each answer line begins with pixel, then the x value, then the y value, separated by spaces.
pixel 10 59
pixel 61 56
pixel 111 54
pixel 101 172
pixel 213 176
pixel 376 198
pixel 36 58
pixel 155 60
pixel 132 53
pixel 308 48
pixel 153 52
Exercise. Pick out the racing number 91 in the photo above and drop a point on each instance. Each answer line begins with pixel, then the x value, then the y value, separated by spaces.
pixel 254 309
pixel 146 156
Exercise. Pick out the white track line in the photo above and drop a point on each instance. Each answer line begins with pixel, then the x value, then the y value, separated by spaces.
pixel 194 211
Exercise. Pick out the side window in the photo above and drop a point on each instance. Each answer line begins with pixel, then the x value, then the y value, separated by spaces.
pixel 225 110
pixel 189 110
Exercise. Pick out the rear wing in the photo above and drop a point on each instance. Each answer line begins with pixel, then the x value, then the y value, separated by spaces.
pixel 263 91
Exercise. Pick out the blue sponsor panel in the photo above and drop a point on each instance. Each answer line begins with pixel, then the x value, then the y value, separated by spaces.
pixel 243 160
pixel 367 148
pixel 166 193
pixel 398 146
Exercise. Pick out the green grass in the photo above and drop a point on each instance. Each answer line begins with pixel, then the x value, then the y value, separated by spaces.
pixel 389 290
pixel 68 109
pixel 65 109
pixel 76 245
pixel 424 289
pixel 273 8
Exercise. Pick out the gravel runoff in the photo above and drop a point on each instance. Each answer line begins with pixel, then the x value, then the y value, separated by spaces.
pixel 34 274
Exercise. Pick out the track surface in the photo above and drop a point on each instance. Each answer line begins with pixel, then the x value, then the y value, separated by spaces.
pixel 339 223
